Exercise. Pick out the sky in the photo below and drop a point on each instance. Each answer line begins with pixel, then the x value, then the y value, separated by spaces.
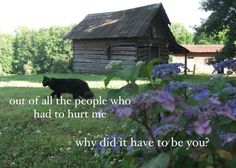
pixel 45 13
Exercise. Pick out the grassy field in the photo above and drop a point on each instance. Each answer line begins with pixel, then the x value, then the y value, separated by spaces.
pixel 29 142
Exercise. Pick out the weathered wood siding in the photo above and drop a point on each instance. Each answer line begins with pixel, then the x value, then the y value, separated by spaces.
pixel 91 55
pixel 156 36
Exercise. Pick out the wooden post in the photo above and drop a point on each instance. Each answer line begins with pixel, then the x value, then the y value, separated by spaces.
pixel 194 69
pixel 185 63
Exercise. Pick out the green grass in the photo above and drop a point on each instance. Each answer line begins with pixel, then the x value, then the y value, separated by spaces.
pixel 39 77
pixel 29 142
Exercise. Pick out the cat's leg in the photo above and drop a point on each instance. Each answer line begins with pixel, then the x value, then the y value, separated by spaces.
pixel 58 95
pixel 53 94
pixel 75 95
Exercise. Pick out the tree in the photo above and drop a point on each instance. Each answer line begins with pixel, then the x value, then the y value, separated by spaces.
pixel 6 53
pixel 182 35
pixel 201 37
pixel 42 50
pixel 223 17
pixel 24 49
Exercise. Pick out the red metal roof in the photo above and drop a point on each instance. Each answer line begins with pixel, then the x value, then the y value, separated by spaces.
pixel 204 48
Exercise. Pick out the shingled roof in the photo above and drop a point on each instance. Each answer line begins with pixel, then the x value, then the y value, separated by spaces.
pixel 120 24
pixel 214 48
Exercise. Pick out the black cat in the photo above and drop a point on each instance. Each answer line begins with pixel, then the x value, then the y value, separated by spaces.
pixel 76 87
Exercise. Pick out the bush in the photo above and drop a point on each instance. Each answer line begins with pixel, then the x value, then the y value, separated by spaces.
pixel 28 68
pixel 61 64
pixel 183 111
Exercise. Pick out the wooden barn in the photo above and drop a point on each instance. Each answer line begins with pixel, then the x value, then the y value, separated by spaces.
pixel 129 35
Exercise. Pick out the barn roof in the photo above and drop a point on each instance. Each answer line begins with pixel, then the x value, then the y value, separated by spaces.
pixel 126 23
pixel 204 48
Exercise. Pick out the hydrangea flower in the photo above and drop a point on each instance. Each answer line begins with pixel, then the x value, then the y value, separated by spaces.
pixel 229 90
pixel 202 127
pixel 229 64
pixel 145 102
pixel 164 129
pixel 232 105
pixel 114 148
pixel 228 138
pixel 166 70
pixel 198 92
pixel 211 109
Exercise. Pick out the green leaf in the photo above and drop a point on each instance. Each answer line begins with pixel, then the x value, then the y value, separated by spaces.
pixel 140 134
pixel 161 161
pixel 108 79
pixel 146 69
pixel 126 74
pixel 224 154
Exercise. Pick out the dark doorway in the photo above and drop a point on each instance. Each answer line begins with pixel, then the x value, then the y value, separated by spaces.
pixel 153 52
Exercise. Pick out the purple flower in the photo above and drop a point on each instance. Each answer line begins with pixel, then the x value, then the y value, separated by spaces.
pixel 164 129
pixel 229 90
pixel 213 108
pixel 229 64
pixel 166 100
pixel 166 70
pixel 232 106
pixel 146 102
pixel 214 100
pixel 111 141
pixel 228 138
pixel 123 112
pixel 173 118
pixel 200 94
pixel 202 127
pixel 115 148
pixel 129 147
pixel 99 148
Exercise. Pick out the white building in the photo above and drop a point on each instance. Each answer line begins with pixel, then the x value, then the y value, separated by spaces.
pixel 196 58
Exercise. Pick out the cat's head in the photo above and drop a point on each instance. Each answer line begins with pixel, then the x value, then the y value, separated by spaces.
pixel 46 81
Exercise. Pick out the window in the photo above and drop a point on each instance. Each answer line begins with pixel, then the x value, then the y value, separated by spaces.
pixel 190 57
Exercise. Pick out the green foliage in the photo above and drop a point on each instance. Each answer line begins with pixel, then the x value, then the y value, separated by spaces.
pixel 145 121
pixel 1 71
pixel 28 69
pixel 61 64
pixel 147 67
pixel 200 37
pixel 222 18
pixel 44 47
pixel 161 161
pixel 130 73
pixel 182 35
pixel 6 52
